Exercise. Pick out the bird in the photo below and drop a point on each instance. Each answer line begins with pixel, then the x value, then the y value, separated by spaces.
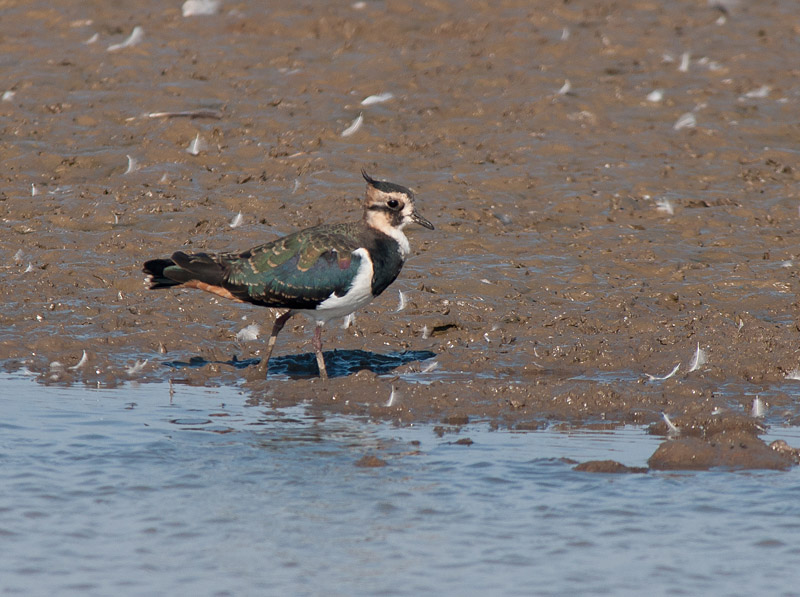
pixel 323 272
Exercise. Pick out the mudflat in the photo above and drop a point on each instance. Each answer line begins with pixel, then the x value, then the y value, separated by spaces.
pixel 614 190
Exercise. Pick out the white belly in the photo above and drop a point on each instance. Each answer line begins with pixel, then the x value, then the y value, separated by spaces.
pixel 359 295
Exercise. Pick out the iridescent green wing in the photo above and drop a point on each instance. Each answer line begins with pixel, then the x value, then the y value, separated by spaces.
pixel 297 271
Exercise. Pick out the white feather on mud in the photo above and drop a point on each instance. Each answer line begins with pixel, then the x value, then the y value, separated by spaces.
pixel 8 95
pixel 684 65
pixel 354 126
pixel 565 34
pixel 655 96
pixel 377 99
pixel 18 256
pixel 136 367
pixel 237 220
pixel 665 206
pixel 93 39
pixel 133 165
pixel 759 93
pixel 758 410
pixel 686 121
pixel 673 429
pixel 392 397
pixel 248 333
pixel 81 363
pixel 348 320
pixel 136 36
pixel 199 113
pixel 196 146
pixel 34 190
pixel 699 359
pixel 667 376
pixel 565 88
pixel 426 333
pixel 794 374
pixel 402 301
pixel 430 367
pixel 193 8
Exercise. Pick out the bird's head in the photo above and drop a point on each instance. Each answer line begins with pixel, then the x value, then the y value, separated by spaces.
pixel 390 206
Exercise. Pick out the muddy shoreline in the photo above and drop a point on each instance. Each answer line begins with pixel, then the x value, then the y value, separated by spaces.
pixel 589 236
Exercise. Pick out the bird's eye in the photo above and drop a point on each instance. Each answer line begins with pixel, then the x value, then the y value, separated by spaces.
pixel 393 203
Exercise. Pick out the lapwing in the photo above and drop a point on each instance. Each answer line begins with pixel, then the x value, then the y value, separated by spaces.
pixel 324 272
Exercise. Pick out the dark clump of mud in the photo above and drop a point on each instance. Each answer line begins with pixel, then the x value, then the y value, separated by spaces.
pixel 607 466
pixel 721 442
pixel 614 189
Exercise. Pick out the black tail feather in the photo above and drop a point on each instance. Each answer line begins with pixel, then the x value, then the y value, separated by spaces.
pixel 155 269
pixel 182 268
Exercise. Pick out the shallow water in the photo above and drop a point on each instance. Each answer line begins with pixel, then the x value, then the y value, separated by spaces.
pixel 133 491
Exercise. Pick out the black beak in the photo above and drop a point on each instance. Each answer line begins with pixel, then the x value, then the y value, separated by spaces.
pixel 421 221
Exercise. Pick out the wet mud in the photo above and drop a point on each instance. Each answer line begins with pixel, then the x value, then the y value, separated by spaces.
pixel 614 189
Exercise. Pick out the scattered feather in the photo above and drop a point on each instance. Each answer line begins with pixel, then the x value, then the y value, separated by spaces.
pixel 684 65
pixel 665 206
pixel 296 185
pixel 136 36
pixel 133 165
pixel 196 146
pixel 716 411
pixel 794 374
pixel 667 376
pixel 92 39
pixel 81 363
pixel 34 190
pixel 565 88
pixel 199 113
pixel 377 99
pixel 758 410
pixel 787 263
pixel 504 218
pixel 565 34
pixel 698 360
pixel 655 96
pixel 8 95
pixel 402 304
pixel 759 93
pixel 430 367
pixel 353 128
pixel 29 269
pixel 686 121
pixel 348 321
pixel 136 367
pixel 359 5
pixel 673 429
pixel 426 333
pixel 237 220
pixel 392 397
pixel 248 333
pixel 193 8
pixel 18 256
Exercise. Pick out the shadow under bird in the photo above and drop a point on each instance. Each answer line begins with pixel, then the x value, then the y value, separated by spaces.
pixel 323 272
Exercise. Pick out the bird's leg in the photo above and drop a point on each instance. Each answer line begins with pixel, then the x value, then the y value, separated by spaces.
pixel 263 366
pixel 317 343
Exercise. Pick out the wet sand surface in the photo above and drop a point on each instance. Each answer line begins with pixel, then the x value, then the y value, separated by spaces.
pixel 614 190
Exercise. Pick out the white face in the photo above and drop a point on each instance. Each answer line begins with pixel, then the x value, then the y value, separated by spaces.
pixel 393 209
